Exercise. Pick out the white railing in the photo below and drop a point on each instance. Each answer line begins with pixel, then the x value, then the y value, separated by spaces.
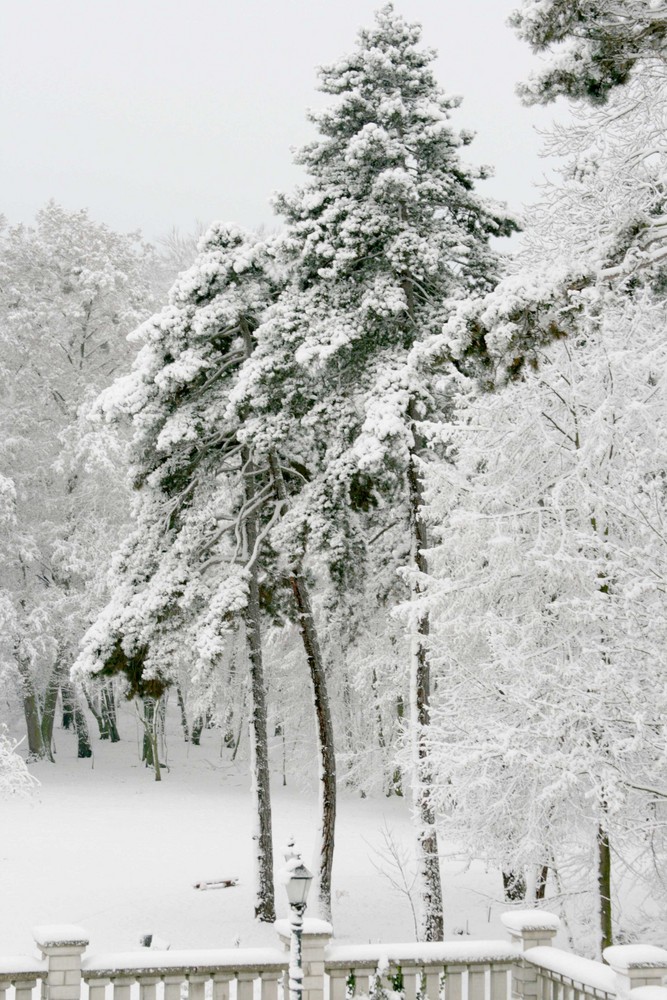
pixel 229 970
pixel 525 968
pixel 477 971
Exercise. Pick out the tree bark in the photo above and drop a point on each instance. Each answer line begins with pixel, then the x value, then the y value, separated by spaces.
pixel 265 902
pixel 50 703
pixel 36 748
pixel 150 748
pixel 604 888
pixel 108 711
pixel 184 718
pixel 325 732
pixel 432 928
pixel 541 884
pixel 97 715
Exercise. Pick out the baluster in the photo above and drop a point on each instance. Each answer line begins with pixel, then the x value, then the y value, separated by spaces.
pixel 4 986
pixel 499 983
pixel 97 988
pixel 454 982
pixel 121 987
pixel 221 981
pixel 432 975
pixel 337 984
pixel 24 988
pixel 477 982
pixel 147 987
pixel 197 985
pixel 269 986
pixel 410 974
pixel 245 985
pixel 362 979
pixel 172 987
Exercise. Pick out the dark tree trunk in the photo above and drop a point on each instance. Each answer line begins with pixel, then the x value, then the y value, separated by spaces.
pixel 108 710
pixel 84 748
pixel 184 717
pixel 604 888
pixel 427 837
pixel 264 903
pixel 397 777
pixel 68 712
pixel 541 884
pixel 197 730
pixel 325 734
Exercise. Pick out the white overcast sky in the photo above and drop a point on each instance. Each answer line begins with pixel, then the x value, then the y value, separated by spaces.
pixel 156 113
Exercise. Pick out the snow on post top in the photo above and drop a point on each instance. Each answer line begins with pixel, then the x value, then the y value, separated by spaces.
pixel 311 925
pixel 530 920
pixel 64 935
pixel 635 956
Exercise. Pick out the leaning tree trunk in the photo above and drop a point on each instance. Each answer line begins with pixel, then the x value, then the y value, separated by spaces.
pixel 259 748
pixel 84 748
pixel 325 733
pixel 428 858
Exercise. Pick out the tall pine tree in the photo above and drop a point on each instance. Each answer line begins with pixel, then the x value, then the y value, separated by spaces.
pixel 384 234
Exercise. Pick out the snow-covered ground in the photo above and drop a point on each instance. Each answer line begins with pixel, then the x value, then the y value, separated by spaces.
pixel 103 845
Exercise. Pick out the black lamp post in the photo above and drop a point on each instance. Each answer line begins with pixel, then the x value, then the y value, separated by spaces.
pixel 298 885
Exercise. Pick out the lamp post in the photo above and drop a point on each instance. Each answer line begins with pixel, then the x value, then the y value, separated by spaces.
pixel 298 885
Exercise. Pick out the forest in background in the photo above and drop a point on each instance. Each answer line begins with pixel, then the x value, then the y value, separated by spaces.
pixel 372 454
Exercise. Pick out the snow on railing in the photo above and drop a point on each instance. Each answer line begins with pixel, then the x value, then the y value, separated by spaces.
pixel 478 970
pixel 528 966
pixel 21 973
pixel 225 969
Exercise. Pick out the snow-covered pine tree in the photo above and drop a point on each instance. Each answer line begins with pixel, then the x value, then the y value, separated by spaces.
pixel 385 232
pixel 190 572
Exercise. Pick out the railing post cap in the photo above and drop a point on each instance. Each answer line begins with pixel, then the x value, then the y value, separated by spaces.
pixel 60 936
pixel 311 926
pixel 521 921
pixel 628 957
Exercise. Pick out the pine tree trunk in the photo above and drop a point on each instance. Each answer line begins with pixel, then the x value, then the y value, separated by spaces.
pixel 259 754
pixel 432 928
pixel 604 888
pixel 325 734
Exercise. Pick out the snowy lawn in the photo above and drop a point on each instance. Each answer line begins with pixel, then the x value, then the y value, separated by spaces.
pixel 105 846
